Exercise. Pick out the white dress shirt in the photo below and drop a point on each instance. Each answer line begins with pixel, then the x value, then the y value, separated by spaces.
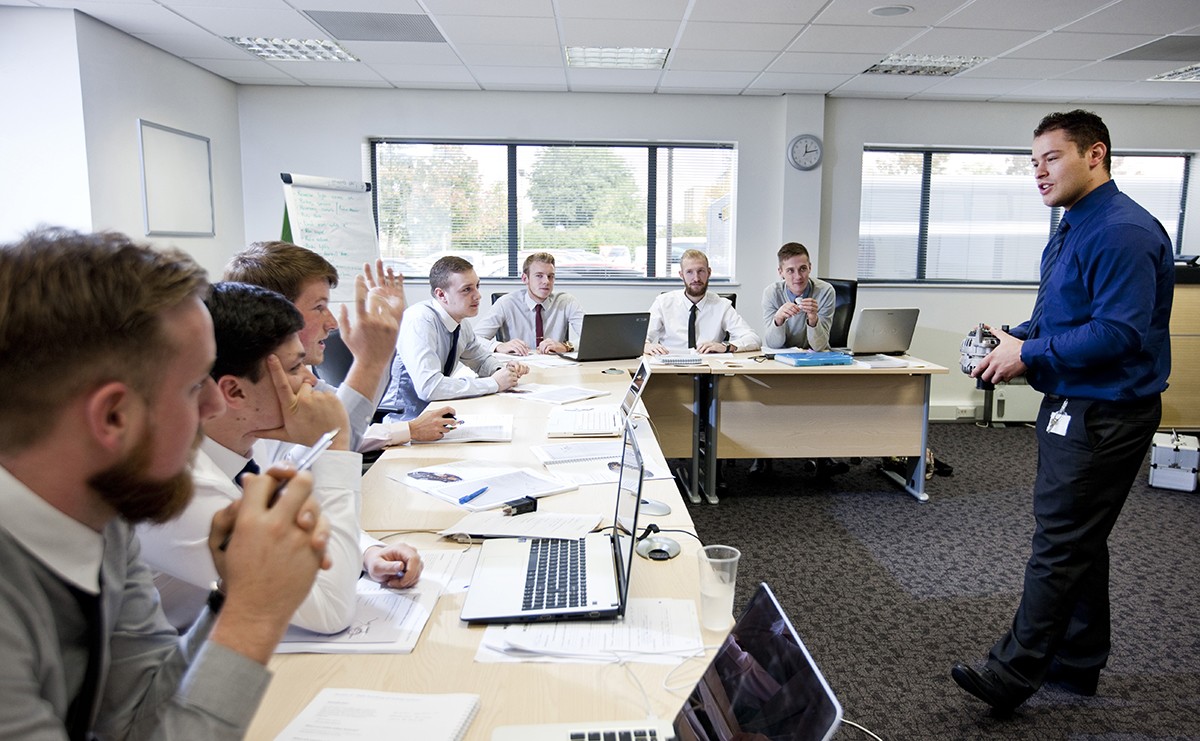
pixel 669 316
pixel 178 550
pixel 421 350
pixel 562 319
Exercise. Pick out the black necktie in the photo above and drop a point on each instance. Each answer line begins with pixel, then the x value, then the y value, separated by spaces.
pixel 79 713
pixel 448 367
pixel 539 332
pixel 250 467
pixel 692 326
pixel 1049 258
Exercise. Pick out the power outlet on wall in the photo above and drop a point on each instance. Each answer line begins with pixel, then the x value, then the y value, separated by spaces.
pixel 964 412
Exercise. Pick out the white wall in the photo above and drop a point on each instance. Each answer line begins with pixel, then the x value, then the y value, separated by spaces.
pixel 42 145
pixel 124 79
pixel 322 132
pixel 947 313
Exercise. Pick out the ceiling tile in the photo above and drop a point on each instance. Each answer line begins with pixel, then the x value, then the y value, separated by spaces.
pixel 499 30
pixel 738 36
pixel 757 11
pixel 519 8
pixel 625 78
pixel 504 55
pixel 974 87
pixel 418 73
pixel 689 79
pixel 798 83
pixel 967 42
pixel 888 84
pixel 517 75
pixel 590 32
pixel 361 6
pixel 401 52
pixel 881 41
pixel 1027 15
pixel 327 71
pixel 136 18
pixel 286 24
pixel 234 69
pixel 730 61
pixel 832 63
pixel 1021 69
pixel 204 46
pixel 1084 46
pixel 1118 71
pixel 623 10
pixel 858 13
pixel 1143 16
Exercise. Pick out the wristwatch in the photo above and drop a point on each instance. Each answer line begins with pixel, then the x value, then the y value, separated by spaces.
pixel 728 347
pixel 216 598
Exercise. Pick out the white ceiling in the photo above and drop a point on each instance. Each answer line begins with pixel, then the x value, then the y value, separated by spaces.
pixel 1058 51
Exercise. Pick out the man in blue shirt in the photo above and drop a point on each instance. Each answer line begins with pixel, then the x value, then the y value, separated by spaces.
pixel 1097 347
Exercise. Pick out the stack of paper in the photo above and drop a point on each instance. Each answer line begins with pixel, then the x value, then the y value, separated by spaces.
pixel 554 394
pixel 348 713
pixel 477 485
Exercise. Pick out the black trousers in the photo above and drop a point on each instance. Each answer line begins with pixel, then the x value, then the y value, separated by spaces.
pixel 1083 479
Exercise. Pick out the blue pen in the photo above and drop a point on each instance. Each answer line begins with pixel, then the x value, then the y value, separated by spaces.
pixel 472 495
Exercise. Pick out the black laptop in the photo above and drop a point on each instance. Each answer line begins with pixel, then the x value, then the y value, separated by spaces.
pixel 611 337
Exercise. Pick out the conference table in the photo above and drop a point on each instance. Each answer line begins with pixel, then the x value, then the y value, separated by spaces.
pixel 748 406
pixel 443 660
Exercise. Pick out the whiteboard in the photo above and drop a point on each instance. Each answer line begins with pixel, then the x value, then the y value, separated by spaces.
pixel 177 191
pixel 336 219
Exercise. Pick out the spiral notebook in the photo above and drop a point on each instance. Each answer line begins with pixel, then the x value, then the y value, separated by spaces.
pixel 351 713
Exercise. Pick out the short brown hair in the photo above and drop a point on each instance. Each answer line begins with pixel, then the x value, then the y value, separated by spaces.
pixel 792 249
pixel 693 255
pixel 439 274
pixel 78 310
pixel 1084 128
pixel 545 257
pixel 281 267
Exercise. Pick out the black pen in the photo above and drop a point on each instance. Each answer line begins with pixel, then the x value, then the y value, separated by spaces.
pixel 305 463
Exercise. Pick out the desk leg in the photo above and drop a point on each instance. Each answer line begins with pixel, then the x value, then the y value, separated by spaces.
pixel 694 484
pixel 914 481
pixel 706 449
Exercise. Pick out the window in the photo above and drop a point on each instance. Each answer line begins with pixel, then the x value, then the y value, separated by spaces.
pixel 603 210
pixel 974 216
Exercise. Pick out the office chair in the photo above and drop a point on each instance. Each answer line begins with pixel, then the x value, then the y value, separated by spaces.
pixel 731 296
pixel 847 296
pixel 502 332
pixel 336 365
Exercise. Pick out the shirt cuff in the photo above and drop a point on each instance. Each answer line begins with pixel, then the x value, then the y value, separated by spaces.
pixel 224 684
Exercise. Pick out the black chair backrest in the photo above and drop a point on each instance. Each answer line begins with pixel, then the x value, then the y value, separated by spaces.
pixel 847 296
pixel 502 332
pixel 336 365
pixel 731 296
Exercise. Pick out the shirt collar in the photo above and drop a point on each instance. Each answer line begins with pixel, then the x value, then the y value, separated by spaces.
pixel 64 545
pixel 230 463
pixel 443 315
pixel 530 302
pixel 808 289
pixel 1090 204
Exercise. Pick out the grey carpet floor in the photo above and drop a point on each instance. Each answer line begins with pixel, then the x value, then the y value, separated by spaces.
pixel 888 592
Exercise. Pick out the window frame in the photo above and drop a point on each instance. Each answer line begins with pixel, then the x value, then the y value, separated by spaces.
pixel 1054 214
pixel 513 226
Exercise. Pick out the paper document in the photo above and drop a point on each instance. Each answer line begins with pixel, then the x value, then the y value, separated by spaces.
pixel 880 361
pixel 654 631
pixel 474 428
pixel 595 461
pixel 478 486
pixel 554 394
pixel 385 620
pixel 336 714
pixel 495 524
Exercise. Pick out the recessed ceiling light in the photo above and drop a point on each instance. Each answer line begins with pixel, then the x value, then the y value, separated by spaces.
pixel 890 11
pixel 933 65
pixel 292 50
pixel 616 57
pixel 1191 73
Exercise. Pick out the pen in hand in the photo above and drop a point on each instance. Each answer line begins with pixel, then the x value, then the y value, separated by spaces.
pixel 472 495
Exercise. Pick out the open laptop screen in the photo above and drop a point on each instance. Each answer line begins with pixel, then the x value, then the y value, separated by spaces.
pixel 629 495
pixel 762 684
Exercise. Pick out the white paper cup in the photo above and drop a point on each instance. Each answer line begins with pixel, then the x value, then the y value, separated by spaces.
pixel 718 576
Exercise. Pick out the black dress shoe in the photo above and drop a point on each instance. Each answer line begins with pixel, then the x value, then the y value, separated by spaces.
pixel 985 685
pixel 1076 681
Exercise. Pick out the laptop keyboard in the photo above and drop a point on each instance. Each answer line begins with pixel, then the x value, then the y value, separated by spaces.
pixel 639 734
pixel 556 576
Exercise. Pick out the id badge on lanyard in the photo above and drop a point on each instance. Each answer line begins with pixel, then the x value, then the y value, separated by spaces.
pixel 1059 421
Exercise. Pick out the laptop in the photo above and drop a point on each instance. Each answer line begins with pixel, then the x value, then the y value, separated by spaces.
pixel 598 420
pixel 611 337
pixel 762 684
pixel 883 331
pixel 514 582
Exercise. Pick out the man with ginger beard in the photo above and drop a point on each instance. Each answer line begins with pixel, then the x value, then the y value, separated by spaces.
pixel 694 319
pixel 105 348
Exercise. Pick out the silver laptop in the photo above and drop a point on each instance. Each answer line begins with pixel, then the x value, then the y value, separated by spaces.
pixel 883 331
pixel 598 420
pixel 611 337
pixel 762 683
pixel 526 579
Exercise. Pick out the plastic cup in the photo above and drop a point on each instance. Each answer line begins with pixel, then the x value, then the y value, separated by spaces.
pixel 718 576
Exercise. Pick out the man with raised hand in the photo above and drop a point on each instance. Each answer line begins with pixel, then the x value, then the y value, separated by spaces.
pixel 105 351
pixel 262 374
